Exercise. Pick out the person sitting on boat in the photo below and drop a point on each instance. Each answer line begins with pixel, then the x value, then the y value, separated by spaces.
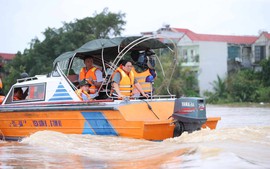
pixel 83 91
pixel 1 88
pixel 144 71
pixel 2 95
pixel 92 74
pixel 123 81
pixel 18 94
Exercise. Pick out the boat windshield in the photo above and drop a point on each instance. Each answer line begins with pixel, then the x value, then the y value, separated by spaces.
pixel 27 93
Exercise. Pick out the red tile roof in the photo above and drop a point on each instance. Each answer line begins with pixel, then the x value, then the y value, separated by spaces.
pixel 218 38
pixel 7 56
pixel 267 35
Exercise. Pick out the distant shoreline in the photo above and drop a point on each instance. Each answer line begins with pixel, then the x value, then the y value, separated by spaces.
pixel 244 104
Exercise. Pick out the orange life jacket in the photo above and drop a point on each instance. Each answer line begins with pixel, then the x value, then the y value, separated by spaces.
pixel 88 74
pixel 79 92
pixel 1 84
pixel 31 92
pixel 16 98
pixel 2 99
pixel 126 83
pixel 141 77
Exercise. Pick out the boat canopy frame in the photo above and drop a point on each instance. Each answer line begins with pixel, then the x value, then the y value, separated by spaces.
pixel 109 52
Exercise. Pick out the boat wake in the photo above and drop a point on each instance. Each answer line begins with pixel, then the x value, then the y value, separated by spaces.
pixel 114 148
pixel 244 134
pixel 245 147
pixel 201 149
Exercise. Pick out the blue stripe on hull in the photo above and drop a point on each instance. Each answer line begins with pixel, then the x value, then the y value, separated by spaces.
pixel 87 129
pixel 99 123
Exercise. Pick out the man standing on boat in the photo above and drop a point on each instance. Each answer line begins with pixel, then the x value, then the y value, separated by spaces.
pixel 92 74
pixel 123 81
pixel 144 70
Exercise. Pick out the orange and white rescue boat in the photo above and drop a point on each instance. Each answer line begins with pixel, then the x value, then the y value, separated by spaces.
pixel 51 103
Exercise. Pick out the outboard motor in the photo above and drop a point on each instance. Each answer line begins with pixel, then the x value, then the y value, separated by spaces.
pixel 189 113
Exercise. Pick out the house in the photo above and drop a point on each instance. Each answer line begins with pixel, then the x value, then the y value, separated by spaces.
pixel 211 55
pixel 4 58
pixel 260 49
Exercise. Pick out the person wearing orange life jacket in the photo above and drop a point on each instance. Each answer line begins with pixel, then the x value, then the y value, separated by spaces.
pixel 1 88
pixel 18 94
pixel 82 92
pixel 123 81
pixel 1 84
pixel 92 74
pixel 2 95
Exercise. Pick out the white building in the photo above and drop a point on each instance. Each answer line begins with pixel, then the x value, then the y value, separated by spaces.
pixel 212 55
pixel 260 49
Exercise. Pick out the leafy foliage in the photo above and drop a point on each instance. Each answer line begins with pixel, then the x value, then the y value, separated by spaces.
pixel 219 94
pixel 243 86
pixel 265 74
pixel 183 82
pixel 263 94
pixel 39 57
pixel 219 87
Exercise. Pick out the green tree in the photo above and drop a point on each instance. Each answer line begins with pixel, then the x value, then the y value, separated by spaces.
pixel 181 82
pixel 39 57
pixel 265 73
pixel 219 87
pixel 189 80
pixel 263 92
pixel 242 86
pixel 220 93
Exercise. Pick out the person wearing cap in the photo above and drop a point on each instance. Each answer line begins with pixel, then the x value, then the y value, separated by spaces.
pixel 83 91
pixel 144 71
pixel 92 74
pixel 123 81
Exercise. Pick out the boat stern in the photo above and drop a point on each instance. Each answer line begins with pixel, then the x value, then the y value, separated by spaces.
pixel 189 114
pixel 158 130
pixel 211 122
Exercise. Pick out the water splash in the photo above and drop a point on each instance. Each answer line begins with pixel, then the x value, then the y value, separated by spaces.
pixel 248 147
pixel 241 141
pixel 108 148
pixel 244 134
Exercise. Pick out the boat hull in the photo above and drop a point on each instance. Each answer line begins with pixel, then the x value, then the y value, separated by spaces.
pixel 151 120
pixel 133 120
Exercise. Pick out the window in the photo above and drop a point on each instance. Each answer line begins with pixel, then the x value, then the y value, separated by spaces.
pixel 77 65
pixel 185 56
pixel 233 52
pixel 27 93
pixel 36 92
pixel 192 55
pixel 19 94
pixel 189 55
pixel 259 53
